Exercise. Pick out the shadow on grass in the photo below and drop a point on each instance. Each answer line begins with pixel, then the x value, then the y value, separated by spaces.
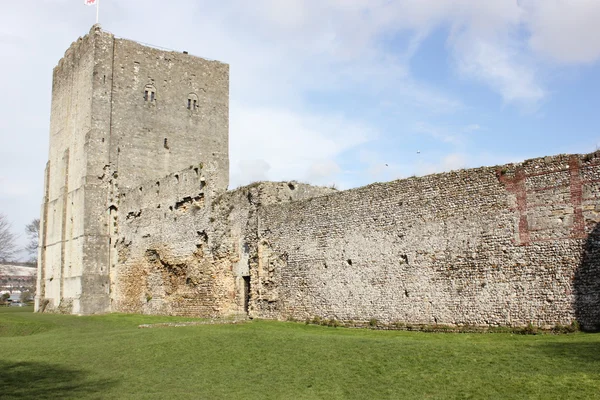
pixel 31 380
pixel 588 352
pixel 587 284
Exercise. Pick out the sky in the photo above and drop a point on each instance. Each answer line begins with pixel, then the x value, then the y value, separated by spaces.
pixel 333 92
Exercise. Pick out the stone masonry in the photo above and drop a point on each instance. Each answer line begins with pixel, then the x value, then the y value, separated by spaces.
pixel 137 217
pixel 122 113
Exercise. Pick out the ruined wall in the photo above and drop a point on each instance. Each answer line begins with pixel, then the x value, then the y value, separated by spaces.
pixel 184 249
pixel 488 246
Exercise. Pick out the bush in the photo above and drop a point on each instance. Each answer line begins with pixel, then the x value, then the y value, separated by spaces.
pixel 529 330
pixel 333 322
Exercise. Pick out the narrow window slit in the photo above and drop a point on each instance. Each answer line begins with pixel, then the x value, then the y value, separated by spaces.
pixel 192 102
pixel 150 93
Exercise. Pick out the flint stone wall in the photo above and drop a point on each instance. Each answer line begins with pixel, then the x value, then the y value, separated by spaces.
pixel 505 245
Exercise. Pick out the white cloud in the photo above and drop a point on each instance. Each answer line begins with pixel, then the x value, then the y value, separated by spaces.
pixel 250 171
pixel 565 31
pixel 294 145
pixel 11 188
pixel 323 172
pixel 498 67
pixel 449 162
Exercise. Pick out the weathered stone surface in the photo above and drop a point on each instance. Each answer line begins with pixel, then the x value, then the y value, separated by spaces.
pixel 137 218
pixel 185 250
pixel 508 245
pixel 122 113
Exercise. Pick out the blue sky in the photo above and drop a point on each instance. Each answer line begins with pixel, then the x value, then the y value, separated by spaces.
pixel 343 92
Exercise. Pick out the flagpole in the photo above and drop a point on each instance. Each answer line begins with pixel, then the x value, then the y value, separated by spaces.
pixel 97 10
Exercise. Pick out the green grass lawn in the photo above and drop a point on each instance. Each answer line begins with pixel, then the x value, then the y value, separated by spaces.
pixel 44 356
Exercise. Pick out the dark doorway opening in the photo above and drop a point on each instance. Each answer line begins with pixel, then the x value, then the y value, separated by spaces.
pixel 246 292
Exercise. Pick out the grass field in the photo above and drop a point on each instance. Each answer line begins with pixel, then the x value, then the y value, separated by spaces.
pixel 46 356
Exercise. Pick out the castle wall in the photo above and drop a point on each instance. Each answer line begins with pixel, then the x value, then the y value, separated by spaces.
pixel 184 249
pixel 489 246
pixel 121 230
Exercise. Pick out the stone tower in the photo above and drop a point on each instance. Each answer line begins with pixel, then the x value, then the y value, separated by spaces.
pixel 122 114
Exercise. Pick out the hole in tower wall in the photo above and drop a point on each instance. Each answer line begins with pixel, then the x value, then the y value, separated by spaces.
pixel 246 293
pixel 177 178
pixel 166 144
pixel 203 235
pixel 349 262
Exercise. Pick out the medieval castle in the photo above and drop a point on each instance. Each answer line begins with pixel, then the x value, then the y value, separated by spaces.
pixel 137 217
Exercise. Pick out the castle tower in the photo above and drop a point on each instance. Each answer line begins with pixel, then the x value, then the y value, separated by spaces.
pixel 122 113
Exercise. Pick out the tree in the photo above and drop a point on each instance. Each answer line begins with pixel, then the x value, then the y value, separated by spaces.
pixel 32 230
pixel 8 241
pixel 26 296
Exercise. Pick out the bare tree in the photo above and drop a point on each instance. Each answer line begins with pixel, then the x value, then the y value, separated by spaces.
pixel 8 241
pixel 32 230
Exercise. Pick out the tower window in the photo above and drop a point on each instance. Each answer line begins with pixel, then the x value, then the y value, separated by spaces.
pixel 150 93
pixel 192 103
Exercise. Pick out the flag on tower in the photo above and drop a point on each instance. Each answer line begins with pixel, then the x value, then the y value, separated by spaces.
pixel 93 3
